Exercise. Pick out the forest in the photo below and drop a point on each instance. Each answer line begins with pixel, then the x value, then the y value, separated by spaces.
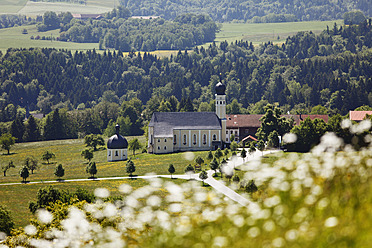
pixel 249 10
pixel 332 69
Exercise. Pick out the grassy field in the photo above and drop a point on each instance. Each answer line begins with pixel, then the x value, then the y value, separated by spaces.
pixel 13 37
pixel 68 154
pixel 263 32
pixel 11 6
pixel 38 8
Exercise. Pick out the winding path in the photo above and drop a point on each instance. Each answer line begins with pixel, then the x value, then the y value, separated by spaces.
pixel 217 185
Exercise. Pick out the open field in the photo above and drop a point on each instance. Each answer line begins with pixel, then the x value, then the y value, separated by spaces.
pixel 30 8
pixel 13 37
pixel 11 6
pixel 68 154
pixel 263 32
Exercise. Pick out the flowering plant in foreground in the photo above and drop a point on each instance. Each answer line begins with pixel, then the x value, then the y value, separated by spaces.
pixel 317 199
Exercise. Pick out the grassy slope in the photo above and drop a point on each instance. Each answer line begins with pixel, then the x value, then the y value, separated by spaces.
pixel 11 6
pixel 68 153
pixel 257 33
pixel 263 32
pixel 13 37
pixel 37 8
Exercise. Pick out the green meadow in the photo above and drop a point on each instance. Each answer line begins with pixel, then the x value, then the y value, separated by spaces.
pixel 31 8
pixel 68 154
pixel 263 32
pixel 11 6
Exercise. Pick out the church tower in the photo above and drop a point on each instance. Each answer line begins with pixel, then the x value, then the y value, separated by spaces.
pixel 221 108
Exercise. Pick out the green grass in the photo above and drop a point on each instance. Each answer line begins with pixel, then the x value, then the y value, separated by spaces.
pixel 263 32
pixel 13 37
pixel 68 154
pixel 30 8
pixel 11 6
pixel 39 8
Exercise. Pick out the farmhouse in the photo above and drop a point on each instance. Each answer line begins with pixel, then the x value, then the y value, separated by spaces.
pixel 359 115
pixel 243 126
pixel 189 131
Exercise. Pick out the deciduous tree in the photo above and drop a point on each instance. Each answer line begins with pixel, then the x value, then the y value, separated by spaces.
pixel 91 169
pixel 5 168
pixel 47 155
pixel 6 222
pixel 24 173
pixel 203 176
pixel 93 140
pixel 59 171
pixel 87 154
pixel 6 141
pixel 31 164
pixel 171 169
pixel 134 145
pixel 131 168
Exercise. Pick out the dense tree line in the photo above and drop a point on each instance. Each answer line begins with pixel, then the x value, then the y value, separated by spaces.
pixel 119 32
pixel 249 10
pixel 8 21
pixel 297 75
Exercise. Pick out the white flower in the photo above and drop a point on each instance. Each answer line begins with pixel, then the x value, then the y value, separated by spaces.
pixel 44 216
pixel 30 230
pixel 331 222
pixel 101 193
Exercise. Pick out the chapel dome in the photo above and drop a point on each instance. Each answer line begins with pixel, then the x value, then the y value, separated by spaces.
pixel 220 88
pixel 117 141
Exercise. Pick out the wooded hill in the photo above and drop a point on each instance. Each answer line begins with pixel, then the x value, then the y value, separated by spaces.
pixel 332 69
pixel 250 10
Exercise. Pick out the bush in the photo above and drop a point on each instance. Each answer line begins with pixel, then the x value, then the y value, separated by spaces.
pixel 6 222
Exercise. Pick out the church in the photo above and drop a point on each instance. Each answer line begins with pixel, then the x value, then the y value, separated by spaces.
pixel 189 131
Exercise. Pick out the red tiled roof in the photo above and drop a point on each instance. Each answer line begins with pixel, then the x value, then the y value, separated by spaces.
pixel 236 121
pixel 249 137
pixel 243 121
pixel 359 115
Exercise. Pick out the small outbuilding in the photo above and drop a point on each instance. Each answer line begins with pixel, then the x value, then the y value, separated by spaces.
pixel 117 147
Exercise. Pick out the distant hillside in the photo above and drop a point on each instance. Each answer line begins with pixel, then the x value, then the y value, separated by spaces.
pixel 250 10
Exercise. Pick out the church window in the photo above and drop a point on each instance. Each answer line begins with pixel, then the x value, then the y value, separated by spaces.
pixel 204 139
pixel 236 132
pixel 165 140
pixel 174 139
pixel 227 139
pixel 116 153
pixel 231 132
pixel 158 140
pixel 165 148
pixel 214 137
pixel 194 139
pixel 227 132
pixel 184 139
pixel 109 153
pixel 151 139
pixel 220 102
pixel 158 147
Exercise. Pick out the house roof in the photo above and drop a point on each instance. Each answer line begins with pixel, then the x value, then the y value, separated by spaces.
pixel 236 121
pixel 165 122
pixel 359 115
pixel 87 16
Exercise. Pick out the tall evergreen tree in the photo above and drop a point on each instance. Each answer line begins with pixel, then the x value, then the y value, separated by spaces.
pixel 32 132
pixel 17 129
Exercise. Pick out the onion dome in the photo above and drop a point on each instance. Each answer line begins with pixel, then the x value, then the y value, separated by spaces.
pixel 220 88
pixel 117 141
